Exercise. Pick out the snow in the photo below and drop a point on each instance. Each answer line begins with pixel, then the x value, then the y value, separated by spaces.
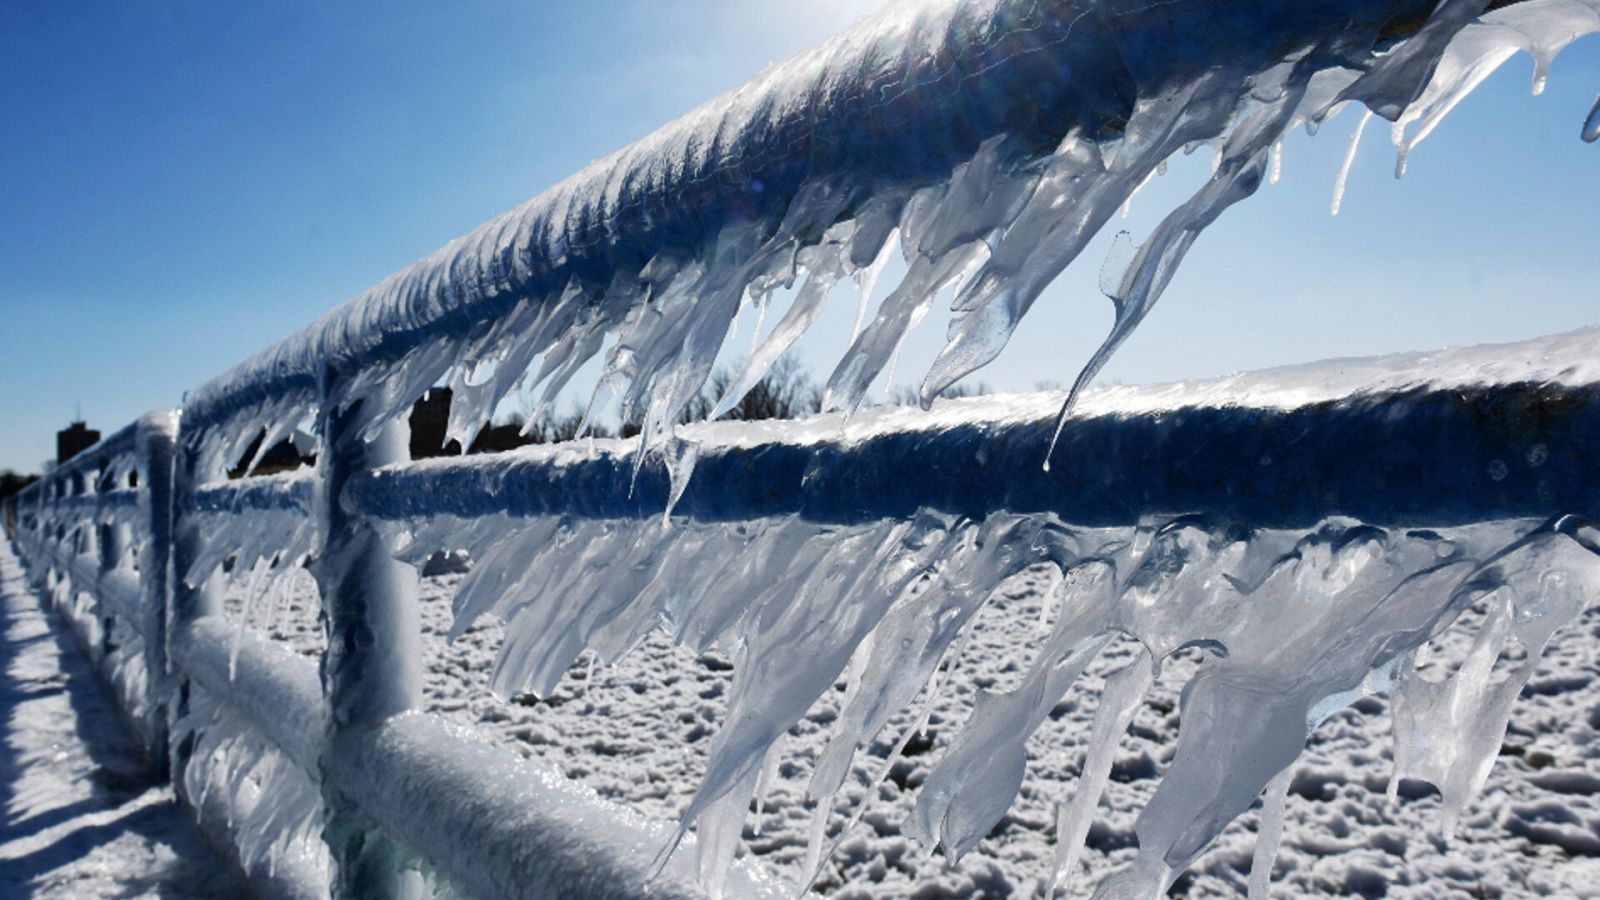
pixel 84 814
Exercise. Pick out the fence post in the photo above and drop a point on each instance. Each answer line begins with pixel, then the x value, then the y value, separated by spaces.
pixel 370 669
pixel 153 449
pixel 55 542
pixel 185 602
pixel 188 602
pixel 110 543
pixel 84 609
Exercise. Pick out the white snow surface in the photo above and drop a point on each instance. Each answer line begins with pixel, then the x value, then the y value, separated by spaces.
pixel 83 814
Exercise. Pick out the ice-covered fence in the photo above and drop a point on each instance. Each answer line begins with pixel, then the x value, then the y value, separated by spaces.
pixel 989 141
pixel 82 529
pixel 1405 488
pixel 1313 527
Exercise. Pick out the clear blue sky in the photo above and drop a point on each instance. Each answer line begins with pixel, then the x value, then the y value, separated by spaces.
pixel 184 182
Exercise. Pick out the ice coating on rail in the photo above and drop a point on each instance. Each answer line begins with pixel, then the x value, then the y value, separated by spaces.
pixel 249 793
pixel 988 141
pixel 256 524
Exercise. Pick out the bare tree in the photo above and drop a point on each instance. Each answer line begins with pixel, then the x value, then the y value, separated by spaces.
pixel 12 483
pixel 553 429
pixel 785 392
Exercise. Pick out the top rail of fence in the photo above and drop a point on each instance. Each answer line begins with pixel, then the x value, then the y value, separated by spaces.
pixel 893 105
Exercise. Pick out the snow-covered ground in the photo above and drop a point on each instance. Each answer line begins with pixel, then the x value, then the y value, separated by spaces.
pixel 84 816
pixel 639 732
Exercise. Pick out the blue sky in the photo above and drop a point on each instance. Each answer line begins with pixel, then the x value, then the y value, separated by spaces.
pixel 184 182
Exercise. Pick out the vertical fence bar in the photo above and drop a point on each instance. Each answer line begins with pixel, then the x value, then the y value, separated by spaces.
pixel 188 602
pixel 84 614
pixel 153 449
pixel 370 669
pixel 110 543
pixel 185 602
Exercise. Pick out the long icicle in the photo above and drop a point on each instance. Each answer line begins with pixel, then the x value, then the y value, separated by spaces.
pixel 1123 694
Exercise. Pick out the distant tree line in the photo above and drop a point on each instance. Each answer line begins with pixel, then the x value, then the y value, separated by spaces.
pixel 786 392
pixel 12 483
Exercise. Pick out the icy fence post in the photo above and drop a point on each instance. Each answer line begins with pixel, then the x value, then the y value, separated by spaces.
pixel 186 603
pixel 111 543
pixel 157 434
pixel 370 668
pixel 88 620
pixel 112 537
pixel 189 602
pixel 85 544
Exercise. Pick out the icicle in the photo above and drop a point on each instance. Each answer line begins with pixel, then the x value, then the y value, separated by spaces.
pixel 594 666
pixel 1422 705
pixel 1268 833
pixel 769 772
pixel 815 837
pixel 802 312
pixel 1276 172
pixel 1127 205
pixel 975 783
pixel 1340 183
pixel 1449 733
pixel 719 833
pixel 763 302
pixel 680 467
pixel 252 592
pixel 1591 125
pixel 276 592
pixel 1124 691
pixel 867 281
pixel 1238 174
pixel 917 726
